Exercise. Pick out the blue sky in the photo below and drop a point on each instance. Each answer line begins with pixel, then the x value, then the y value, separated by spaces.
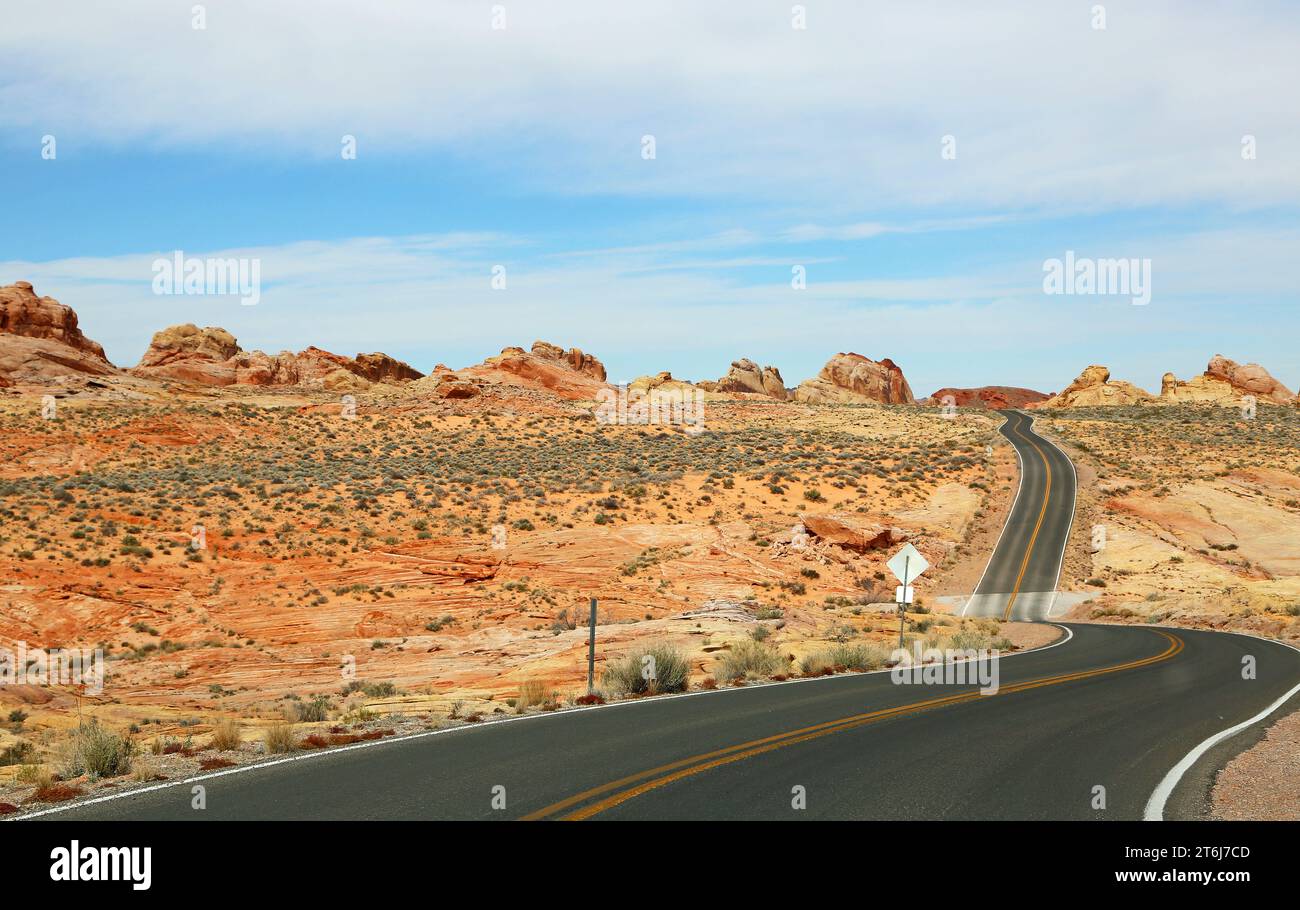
pixel 774 147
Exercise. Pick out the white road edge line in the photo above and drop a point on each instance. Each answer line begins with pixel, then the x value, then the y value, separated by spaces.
pixel 1020 485
pixel 1155 808
pixel 339 750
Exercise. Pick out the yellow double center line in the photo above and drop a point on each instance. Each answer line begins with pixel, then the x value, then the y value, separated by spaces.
pixel 1042 513
pixel 626 788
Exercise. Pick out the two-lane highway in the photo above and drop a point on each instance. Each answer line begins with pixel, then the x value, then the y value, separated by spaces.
pixel 1022 575
pixel 1112 707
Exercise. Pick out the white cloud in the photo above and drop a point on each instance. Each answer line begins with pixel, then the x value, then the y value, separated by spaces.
pixel 1047 112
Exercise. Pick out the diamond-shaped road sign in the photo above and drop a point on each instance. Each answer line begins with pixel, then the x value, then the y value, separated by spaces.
pixel 907 561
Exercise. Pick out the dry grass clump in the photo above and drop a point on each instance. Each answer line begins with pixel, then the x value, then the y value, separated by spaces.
pixel 225 735
pixel 844 657
pixel 279 738
pixel 532 692
pixel 749 659
pixel 648 670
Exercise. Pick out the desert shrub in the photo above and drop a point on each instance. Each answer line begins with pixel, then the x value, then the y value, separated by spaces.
pixel 816 664
pixel 377 690
pixel 280 738
pixel 20 753
pixel 844 656
pixel 751 659
pixel 625 675
pixel 225 735
pixel 968 639
pixel 859 657
pixel 96 752
pixel 312 711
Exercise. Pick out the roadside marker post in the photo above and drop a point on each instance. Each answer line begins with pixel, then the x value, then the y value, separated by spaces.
pixel 901 564
pixel 902 612
pixel 591 651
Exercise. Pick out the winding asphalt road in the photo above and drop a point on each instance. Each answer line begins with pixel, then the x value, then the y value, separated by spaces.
pixel 1107 707
pixel 1021 578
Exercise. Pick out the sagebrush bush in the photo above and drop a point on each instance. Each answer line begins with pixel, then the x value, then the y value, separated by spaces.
pixel 626 676
pixel 94 751
pixel 312 711
pixel 969 640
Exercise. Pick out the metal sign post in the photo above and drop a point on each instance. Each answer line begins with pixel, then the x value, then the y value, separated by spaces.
pixel 901 565
pixel 907 561
pixel 591 651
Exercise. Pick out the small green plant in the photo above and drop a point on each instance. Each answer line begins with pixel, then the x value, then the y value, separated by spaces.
pixel 312 711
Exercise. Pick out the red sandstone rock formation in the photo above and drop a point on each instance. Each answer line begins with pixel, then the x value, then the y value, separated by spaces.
pixel 40 339
pixel 993 397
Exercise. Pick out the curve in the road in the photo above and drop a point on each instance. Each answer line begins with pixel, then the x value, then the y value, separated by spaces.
pixel 646 781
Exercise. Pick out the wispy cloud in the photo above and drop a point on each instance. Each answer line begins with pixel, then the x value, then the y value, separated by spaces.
pixel 1046 111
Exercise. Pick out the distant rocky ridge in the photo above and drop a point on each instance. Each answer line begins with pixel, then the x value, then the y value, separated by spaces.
pixel 1226 382
pixel 992 397
pixel 41 344
pixel 211 356
pixel 1093 388
pixel 854 379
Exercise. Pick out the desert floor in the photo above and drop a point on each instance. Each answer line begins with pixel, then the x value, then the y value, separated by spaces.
pixel 261 563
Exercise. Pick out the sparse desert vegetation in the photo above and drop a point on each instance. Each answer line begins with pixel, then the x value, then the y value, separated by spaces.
pixel 264 575
pixel 1192 515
